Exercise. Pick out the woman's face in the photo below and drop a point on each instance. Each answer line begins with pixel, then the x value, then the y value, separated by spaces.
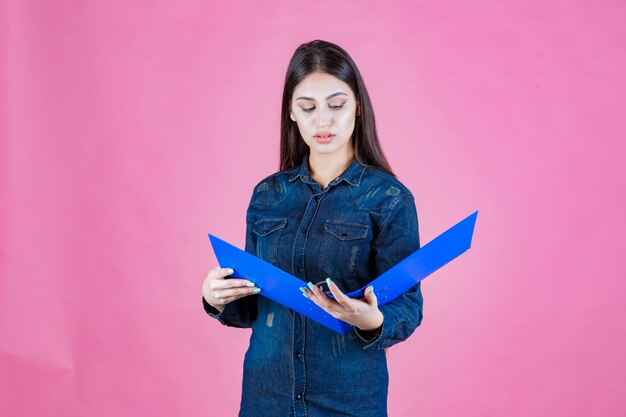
pixel 322 104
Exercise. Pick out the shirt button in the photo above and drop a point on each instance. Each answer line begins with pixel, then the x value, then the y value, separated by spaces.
pixel 298 397
pixel 298 355
pixel 299 269
pixel 303 230
pixel 316 198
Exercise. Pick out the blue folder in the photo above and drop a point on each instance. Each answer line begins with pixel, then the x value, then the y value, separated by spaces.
pixel 284 288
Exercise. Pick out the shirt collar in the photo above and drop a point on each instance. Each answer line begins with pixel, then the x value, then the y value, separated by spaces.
pixel 352 174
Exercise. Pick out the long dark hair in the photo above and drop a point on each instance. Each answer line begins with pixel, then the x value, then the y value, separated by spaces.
pixel 327 57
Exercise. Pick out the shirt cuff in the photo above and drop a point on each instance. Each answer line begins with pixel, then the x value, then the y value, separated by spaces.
pixel 212 311
pixel 385 339
pixel 367 337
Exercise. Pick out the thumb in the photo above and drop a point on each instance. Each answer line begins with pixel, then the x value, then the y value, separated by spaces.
pixel 370 297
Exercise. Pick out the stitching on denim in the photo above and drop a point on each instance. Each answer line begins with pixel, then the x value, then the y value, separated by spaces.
pixel 313 217
pixel 293 372
pixel 280 225
pixel 362 233
pixel 288 188
pixel 391 207
pixel 275 249
pixel 303 320
pixel 353 199
pixel 324 243
pixel 363 168
pixel 388 177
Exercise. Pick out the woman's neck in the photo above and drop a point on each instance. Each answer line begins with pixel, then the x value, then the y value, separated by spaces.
pixel 326 167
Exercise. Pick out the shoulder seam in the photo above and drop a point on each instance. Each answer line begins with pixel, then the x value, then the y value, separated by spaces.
pixel 385 176
pixel 268 177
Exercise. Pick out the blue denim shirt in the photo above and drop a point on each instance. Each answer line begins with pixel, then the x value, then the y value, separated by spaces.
pixel 360 225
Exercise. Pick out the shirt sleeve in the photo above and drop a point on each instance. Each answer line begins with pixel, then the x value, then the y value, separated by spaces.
pixel 243 311
pixel 398 238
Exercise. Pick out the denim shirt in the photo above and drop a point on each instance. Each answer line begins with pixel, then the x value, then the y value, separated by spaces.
pixel 360 225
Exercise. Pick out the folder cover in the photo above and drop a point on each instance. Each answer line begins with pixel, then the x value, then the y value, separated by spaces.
pixel 284 288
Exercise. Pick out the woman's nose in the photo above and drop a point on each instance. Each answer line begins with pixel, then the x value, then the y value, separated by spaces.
pixel 325 116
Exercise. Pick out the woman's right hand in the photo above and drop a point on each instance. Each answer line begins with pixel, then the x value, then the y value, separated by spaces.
pixel 219 291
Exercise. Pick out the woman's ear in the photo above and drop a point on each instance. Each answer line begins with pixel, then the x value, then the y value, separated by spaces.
pixel 291 116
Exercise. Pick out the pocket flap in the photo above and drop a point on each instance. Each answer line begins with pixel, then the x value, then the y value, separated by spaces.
pixel 263 227
pixel 344 230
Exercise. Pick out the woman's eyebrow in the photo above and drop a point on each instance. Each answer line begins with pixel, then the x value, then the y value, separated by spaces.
pixel 330 96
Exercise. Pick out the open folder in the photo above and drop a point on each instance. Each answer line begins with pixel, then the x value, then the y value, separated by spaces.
pixel 284 288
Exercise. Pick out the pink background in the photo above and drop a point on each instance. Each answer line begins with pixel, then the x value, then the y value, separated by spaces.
pixel 131 129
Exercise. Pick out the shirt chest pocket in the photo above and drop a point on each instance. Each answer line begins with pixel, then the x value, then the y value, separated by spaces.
pixel 341 248
pixel 267 232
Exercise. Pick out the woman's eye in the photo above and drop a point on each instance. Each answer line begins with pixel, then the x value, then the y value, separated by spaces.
pixel 313 108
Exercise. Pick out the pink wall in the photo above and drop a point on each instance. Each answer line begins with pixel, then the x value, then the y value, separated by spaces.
pixel 132 129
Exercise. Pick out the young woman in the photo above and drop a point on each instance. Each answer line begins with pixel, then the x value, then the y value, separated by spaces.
pixel 336 217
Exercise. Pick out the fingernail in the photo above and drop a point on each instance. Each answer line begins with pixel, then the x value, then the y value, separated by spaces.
pixel 231 271
pixel 256 291
pixel 311 286
pixel 250 284
pixel 305 294
pixel 371 289
pixel 329 282
pixel 302 290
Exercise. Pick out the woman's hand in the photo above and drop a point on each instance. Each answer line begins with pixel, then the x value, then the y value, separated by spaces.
pixel 219 291
pixel 360 312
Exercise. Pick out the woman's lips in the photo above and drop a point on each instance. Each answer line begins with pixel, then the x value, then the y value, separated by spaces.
pixel 324 139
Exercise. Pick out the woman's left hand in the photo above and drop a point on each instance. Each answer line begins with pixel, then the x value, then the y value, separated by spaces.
pixel 363 313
